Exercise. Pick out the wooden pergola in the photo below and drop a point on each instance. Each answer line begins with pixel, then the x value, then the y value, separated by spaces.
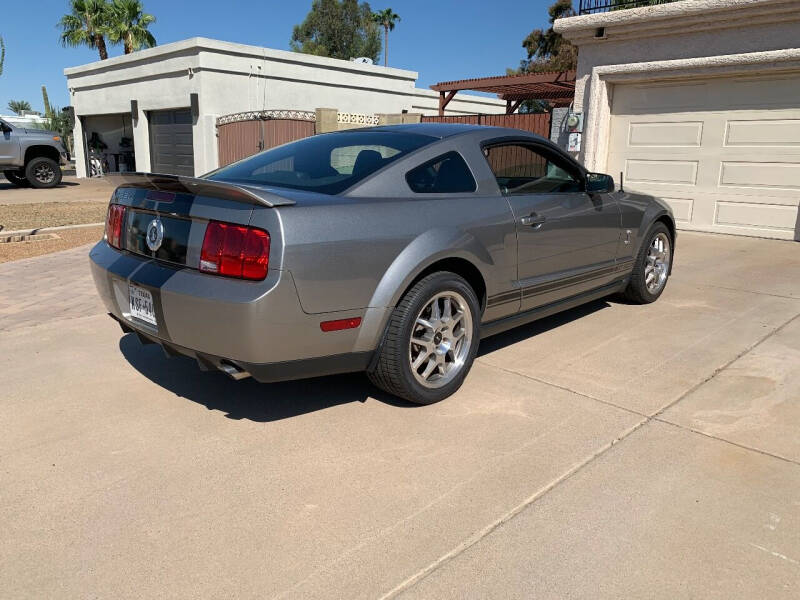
pixel 558 88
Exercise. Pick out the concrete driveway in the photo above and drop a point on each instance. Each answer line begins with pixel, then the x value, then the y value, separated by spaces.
pixel 612 451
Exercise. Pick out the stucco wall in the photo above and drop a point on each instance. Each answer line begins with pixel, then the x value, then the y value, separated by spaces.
pixel 669 41
pixel 230 78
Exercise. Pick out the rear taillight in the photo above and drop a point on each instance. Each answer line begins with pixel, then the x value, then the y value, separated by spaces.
pixel 235 251
pixel 114 225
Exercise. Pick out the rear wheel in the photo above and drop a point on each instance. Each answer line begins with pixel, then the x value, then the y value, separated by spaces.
pixel 431 340
pixel 17 178
pixel 43 172
pixel 652 267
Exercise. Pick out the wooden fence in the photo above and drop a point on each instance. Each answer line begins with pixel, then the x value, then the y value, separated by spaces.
pixel 538 123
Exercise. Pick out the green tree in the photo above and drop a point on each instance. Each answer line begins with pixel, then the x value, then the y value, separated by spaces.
pixel 386 19
pixel 548 50
pixel 338 29
pixel 86 25
pixel 17 106
pixel 2 54
pixel 128 24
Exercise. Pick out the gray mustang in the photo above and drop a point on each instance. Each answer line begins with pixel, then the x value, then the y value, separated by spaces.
pixel 391 250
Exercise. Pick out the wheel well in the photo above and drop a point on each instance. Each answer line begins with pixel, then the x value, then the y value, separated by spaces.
pixel 459 266
pixel 666 220
pixel 37 151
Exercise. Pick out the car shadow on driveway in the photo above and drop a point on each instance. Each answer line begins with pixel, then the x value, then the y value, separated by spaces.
pixel 512 336
pixel 266 402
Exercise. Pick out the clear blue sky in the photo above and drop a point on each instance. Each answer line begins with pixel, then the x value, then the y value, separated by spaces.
pixel 442 40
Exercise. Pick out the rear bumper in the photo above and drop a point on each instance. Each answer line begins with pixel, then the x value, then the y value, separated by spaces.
pixel 258 327
pixel 264 372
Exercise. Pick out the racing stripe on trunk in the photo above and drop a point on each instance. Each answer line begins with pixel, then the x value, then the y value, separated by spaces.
pixel 152 277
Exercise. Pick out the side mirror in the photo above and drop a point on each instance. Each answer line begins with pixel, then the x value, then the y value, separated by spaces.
pixel 4 128
pixel 598 183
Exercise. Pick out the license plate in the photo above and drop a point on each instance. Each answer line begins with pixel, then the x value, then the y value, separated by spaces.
pixel 142 304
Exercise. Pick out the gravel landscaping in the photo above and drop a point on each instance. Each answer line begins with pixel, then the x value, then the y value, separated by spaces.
pixel 14 217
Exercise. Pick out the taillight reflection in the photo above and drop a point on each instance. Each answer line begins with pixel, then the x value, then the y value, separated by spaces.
pixel 235 251
pixel 115 222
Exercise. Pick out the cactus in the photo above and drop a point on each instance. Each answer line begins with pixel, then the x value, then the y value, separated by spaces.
pixel 48 111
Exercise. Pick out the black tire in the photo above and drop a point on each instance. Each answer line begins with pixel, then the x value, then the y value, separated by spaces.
pixel 43 172
pixel 393 371
pixel 637 291
pixel 17 178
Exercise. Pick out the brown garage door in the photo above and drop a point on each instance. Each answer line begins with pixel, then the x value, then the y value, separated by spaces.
pixel 171 147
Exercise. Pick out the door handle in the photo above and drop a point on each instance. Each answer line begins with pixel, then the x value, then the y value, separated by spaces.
pixel 533 220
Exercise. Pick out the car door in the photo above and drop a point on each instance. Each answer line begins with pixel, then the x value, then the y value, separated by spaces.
pixel 566 238
pixel 9 144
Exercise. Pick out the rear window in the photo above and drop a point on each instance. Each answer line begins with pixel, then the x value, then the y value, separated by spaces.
pixel 328 164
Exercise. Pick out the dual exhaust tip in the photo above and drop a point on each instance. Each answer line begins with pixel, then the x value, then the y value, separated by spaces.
pixel 205 363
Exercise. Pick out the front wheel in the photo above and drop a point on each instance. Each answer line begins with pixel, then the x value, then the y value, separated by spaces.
pixel 652 267
pixel 431 341
pixel 17 178
pixel 43 172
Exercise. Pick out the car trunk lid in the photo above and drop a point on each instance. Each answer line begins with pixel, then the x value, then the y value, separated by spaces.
pixel 179 209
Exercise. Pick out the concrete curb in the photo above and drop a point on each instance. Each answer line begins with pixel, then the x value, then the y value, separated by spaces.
pixel 46 229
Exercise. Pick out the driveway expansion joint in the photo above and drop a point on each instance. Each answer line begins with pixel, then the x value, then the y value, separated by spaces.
pixel 412 581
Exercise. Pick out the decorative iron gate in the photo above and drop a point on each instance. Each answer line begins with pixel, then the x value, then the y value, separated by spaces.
pixel 243 134
pixel 538 123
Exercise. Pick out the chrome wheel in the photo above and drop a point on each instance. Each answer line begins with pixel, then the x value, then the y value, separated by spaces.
pixel 656 268
pixel 44 174
pixel 441 338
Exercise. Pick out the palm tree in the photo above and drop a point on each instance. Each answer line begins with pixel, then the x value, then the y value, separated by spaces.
pixel 17 106
pixel 86 25
pixel 386 19
pixel 128 24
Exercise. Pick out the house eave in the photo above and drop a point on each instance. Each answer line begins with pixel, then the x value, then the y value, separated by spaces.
pixel 660 19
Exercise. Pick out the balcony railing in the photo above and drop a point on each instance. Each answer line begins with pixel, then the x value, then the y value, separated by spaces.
pixel 588 7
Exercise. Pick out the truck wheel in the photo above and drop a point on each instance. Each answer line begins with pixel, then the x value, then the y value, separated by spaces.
pixel 43 172
pixel 17 178
pixel 431 340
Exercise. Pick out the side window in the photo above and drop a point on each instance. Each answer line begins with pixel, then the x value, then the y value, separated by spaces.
pixel 522 169
pixel 446 174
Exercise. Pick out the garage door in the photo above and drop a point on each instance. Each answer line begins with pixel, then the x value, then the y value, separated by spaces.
pixel 725 153
pixel 171 147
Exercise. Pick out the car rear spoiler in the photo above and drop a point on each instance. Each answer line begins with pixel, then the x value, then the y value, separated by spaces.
pixel 201 187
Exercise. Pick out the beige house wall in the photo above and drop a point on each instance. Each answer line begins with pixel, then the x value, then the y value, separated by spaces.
pixel 680 40
pixel 697 102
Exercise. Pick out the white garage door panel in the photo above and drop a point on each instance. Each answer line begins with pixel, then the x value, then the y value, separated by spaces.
pixel 724 153
pixel 758 215
pixel 665 134
pixel 777 176
pixel 681 208
pixel 671 172
pixel 774 133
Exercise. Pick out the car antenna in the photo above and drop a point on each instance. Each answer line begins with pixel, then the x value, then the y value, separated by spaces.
pixel 621 183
